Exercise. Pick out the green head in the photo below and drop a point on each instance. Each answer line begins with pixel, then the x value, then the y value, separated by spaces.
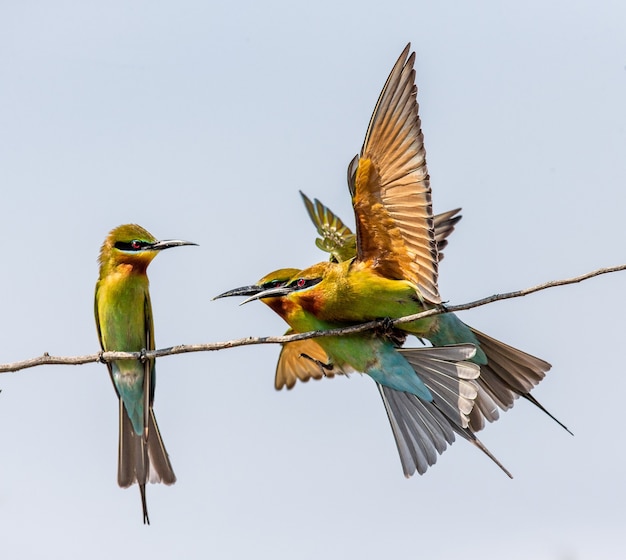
pixel 299 283
pixel 272 280
pixel 132 246
pixel 291 293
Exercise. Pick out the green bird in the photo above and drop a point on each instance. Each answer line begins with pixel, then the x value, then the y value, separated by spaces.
pixel 428 393
pixel 394 270
pixel 124 323
pixel 424 415
pixel 394 273
pixel 338 240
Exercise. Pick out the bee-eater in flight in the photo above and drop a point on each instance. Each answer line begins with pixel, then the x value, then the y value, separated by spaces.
pixel 395 270
pixel 338 240
pixel 428 393
pixel 423 415
pixel 124 323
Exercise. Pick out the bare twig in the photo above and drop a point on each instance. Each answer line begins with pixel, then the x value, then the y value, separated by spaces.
pixel 47 359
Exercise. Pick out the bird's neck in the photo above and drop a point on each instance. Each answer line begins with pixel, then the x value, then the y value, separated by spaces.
pixel 126 269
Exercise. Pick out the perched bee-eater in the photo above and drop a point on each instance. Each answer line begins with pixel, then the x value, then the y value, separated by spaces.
pixel 395 270
pixel 124 323
pixel 423 415
pixel 338 240
pixel 428 393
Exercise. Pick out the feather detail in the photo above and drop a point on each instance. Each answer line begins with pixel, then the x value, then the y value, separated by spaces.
pixel 508 374
pixel 422 429
pixel 303 360
pixel 391 192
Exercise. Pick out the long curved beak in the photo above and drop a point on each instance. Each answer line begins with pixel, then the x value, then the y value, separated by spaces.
pixel 169 243
pixel 271 292
pixel 243 291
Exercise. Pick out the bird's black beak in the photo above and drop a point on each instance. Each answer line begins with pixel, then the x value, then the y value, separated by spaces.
pixel 243 291
pixel 270 292
pixel 168 244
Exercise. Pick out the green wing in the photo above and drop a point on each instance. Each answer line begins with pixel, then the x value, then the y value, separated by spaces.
pixel 336 238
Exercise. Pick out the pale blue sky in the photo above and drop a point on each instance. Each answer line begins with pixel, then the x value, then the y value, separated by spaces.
pixel 201 121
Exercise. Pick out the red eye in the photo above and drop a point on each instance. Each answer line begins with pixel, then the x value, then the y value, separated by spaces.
pixel 301 283
pixel 135 244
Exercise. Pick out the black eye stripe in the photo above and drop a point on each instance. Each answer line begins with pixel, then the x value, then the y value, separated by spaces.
pixel 134 245
pixel 274 284
pixel 303 283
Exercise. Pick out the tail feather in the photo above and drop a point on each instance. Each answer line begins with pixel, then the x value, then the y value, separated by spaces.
pixel 508 374
pixel 485 408
pixel 471 437
pixel 140 462
pixel 160 466
pixel 519 370
pixel 449 379
pixel 133 454
pixel 144 504
pixel 533 400
pixel 422 429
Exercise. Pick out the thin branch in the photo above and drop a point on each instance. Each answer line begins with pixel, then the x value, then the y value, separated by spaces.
pixel 47 359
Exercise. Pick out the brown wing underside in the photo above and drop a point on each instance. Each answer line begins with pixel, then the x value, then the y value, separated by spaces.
pixel 392 197
pixel 293 366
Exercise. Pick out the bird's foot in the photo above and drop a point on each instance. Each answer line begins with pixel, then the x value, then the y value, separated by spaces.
pixel 142 356
pixel 385 325
pixel 101 357
pixel 387 330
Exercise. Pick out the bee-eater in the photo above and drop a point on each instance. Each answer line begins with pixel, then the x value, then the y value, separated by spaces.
pixel 338 240
pixel 420 429
pixel 124 323
pixel 428 393
pixel 395 270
